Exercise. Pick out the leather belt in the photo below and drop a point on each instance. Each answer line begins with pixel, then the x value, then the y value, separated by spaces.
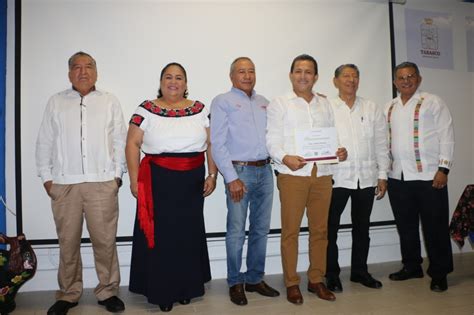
pixel 252 163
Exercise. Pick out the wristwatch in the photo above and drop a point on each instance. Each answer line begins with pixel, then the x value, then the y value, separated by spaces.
pixel 443 170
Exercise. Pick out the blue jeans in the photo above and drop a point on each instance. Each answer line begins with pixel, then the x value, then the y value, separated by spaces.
pixel 258 198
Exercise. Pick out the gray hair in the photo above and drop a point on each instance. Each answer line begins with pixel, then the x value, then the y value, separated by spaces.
pixel 79 54
pixel 339 69
pixel 232 65
pixel 406 64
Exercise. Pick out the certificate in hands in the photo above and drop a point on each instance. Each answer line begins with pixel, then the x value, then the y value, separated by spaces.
pixel 317 144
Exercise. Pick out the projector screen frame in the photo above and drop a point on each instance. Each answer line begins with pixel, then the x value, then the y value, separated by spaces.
pixel 18 153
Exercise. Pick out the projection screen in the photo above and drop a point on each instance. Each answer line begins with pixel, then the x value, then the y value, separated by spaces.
pixel 133 39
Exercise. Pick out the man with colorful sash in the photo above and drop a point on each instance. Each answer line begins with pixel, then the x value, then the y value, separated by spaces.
pixel 80 157
pixel 421 144
pixel 238 124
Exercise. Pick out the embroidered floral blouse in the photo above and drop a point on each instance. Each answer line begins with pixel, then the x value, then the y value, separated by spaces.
pixel 172 131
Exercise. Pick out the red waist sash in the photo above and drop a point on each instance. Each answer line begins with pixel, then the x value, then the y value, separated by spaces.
pixel 145 196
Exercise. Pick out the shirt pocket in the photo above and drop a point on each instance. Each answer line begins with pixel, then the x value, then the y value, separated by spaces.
pixel 344 135
pixel 367 128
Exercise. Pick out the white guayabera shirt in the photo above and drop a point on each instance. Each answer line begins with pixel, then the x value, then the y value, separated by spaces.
pixel 362 131
pixel 81 139
pixel 421 136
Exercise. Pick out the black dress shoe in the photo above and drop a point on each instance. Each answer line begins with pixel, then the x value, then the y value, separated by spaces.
pixel 406 274
pixel 61 307
pixel 439 284
pixel 366 280
pixel 185 301
pixel 113 304
pixel 166 307
pixel 334 284
pixel 237 294
pixel 262 288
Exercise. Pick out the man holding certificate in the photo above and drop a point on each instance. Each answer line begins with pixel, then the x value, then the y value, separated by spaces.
pixel 300 130
pixel 362 130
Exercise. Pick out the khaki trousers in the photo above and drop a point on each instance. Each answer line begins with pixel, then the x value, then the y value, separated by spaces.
pixel 298 193
pixel 98 203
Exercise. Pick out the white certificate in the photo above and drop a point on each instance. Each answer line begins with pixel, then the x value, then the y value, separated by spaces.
pixel 317 144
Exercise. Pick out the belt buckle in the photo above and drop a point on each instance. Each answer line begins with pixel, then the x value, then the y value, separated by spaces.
pixel 240 163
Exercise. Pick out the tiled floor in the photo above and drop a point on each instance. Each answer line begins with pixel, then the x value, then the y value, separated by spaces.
pixel 406 297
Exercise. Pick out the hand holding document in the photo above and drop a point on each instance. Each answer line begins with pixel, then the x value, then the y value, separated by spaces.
pixel 294 162
pixel 317 144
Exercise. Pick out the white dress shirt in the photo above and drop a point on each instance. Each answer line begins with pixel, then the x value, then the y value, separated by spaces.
pixel 285 115
pixel 362 131
pixel 436 136
pixel 81 139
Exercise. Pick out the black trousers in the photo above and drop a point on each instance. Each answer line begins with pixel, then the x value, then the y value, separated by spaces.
pixel 362 201
pixel 417 200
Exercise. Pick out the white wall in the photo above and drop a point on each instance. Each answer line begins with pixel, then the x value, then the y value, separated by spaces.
pixel 455 87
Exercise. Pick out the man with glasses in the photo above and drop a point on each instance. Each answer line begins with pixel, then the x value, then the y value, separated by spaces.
pixel 421 144
pixel 362 131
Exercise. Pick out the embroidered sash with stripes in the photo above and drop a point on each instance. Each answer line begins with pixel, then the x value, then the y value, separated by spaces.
pixel 416 133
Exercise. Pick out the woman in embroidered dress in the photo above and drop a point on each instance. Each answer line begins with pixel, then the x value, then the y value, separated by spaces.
pixel 170 261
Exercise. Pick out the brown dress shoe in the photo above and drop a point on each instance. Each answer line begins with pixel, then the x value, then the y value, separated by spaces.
pixel 262 288
pixel 293 295
pixel 237 294
pixel 321 291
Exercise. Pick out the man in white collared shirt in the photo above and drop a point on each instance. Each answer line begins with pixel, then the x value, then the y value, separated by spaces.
pixel 302 185
pixel 421 142
pixel 362 131
pixel 80 157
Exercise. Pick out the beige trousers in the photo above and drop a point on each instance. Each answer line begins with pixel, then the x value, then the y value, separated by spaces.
pixel 298 193
pixel 98 203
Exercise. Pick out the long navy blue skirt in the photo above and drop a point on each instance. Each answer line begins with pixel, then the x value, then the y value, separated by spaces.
pixel 178 266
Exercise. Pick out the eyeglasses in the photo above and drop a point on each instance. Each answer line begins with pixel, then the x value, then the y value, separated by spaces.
pixel 408 77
